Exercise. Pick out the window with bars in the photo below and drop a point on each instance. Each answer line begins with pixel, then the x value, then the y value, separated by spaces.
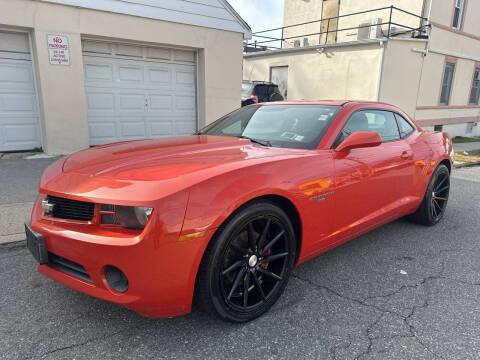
pixel 475 92
pixel 447 83
pixel 458 14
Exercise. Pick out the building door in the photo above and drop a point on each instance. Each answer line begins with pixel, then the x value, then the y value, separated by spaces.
pixel 330 10
pixel 137 92
pixel 19 114
pixel 279 76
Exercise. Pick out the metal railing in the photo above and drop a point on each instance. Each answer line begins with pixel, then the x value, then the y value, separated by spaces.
pixel 262 40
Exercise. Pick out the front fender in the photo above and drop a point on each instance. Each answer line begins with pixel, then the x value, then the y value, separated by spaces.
pixel 213 201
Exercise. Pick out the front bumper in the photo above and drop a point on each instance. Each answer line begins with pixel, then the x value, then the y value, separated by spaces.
pixel 161 270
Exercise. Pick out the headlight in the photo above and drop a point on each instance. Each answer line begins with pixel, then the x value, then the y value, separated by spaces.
pixel 133 217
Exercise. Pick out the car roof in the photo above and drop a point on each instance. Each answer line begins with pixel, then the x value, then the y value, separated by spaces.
pixel 255 82
pixel 325 102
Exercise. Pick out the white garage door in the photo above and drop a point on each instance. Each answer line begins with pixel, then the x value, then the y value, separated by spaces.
pixel 19 115
pixel 136 92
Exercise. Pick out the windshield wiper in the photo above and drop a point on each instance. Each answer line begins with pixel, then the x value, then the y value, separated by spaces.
pixel 256 141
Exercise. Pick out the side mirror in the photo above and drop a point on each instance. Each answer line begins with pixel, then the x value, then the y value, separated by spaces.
pixel 359 139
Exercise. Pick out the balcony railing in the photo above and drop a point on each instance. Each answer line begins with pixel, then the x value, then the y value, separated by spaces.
pixel 301 35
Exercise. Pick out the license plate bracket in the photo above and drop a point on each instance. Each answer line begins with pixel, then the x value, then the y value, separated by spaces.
pixel 36 245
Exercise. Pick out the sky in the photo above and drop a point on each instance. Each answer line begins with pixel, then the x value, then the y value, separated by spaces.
pixel 260 14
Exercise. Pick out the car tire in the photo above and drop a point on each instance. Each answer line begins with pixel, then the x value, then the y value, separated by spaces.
pixel 257 243
pixel 434 202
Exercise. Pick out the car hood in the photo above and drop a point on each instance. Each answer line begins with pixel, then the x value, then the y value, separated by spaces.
pixel 165 158
pixel 152 169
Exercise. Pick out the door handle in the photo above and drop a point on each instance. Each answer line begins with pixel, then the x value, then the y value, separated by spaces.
pixel 405 155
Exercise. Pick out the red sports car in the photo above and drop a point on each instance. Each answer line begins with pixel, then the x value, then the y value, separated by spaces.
pixel 224 215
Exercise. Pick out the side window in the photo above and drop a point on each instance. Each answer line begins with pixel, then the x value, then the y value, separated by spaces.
pixel 274 89
pixel 458 14
pixel 404 126
pixel 447 83
pixel 379 121
pixel 475 92
pixel 261 90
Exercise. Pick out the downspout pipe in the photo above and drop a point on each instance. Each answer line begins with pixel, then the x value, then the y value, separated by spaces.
pixel 380 69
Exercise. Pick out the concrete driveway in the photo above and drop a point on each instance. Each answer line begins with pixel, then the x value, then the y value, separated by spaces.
pixel 402 291
pixel 19 179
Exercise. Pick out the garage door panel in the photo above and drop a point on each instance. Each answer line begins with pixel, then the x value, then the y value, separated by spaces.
pixel 185 103
pixel 129 50
pixel 98 72
pixel 97 47
pixel 129 102
pixel 16 75
pixel 161 128
pixel 184 77
pixel 158 53
pixel 145 97
pixel 15 101
pixel 14 42
pixel 159 75
pixel 19 115
pixel 100 101
pixel 182 55
pixel 102 130
pixel 133 128
pixel 21 133
pixel 130 73
pixel 161 102
pixel 184 128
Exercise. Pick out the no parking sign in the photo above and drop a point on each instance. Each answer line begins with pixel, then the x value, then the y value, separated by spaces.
pixel 58 50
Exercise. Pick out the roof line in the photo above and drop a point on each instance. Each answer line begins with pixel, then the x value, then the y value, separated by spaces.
pixel 248 30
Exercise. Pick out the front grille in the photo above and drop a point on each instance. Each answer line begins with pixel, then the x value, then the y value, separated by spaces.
pixel 68 266
pixel 71 209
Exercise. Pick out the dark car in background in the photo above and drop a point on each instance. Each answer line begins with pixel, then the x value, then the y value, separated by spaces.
pixel 254 92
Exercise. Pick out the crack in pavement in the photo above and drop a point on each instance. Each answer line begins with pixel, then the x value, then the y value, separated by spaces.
pixel 406 319
pixel 75 345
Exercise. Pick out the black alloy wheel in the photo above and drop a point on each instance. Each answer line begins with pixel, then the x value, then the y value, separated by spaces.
pixel 432 208
pixel 246 268
pixel 439 197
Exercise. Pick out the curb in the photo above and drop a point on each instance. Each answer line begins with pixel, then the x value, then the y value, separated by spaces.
pixel 18 244
pixel 470 164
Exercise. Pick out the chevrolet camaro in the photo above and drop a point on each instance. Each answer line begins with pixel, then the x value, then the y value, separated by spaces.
pixel 224 215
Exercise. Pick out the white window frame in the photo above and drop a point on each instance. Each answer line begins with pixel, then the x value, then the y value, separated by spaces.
pixel 460 5
pixel 475 90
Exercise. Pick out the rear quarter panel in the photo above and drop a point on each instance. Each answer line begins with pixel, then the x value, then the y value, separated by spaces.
pixel 429 148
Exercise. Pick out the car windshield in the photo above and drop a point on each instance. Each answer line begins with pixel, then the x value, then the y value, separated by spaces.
pixel 289 126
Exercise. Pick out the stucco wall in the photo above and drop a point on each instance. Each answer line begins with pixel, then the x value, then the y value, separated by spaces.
pixel 300 11
pixel 442 13
pixel 349 72
pixel 401 73
pixel 354 6
pixel 461 47
pixel 61 88
pixel 412 82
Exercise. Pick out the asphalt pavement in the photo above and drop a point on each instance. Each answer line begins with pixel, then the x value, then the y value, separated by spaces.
pixel 402 291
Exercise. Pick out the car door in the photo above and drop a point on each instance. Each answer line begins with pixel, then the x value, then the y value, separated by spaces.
pixel 371 183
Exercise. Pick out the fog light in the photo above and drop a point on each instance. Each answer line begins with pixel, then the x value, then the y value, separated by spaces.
pixel 116 278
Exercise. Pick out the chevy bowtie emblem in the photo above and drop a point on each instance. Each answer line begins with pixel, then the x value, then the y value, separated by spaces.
pixel 47 207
